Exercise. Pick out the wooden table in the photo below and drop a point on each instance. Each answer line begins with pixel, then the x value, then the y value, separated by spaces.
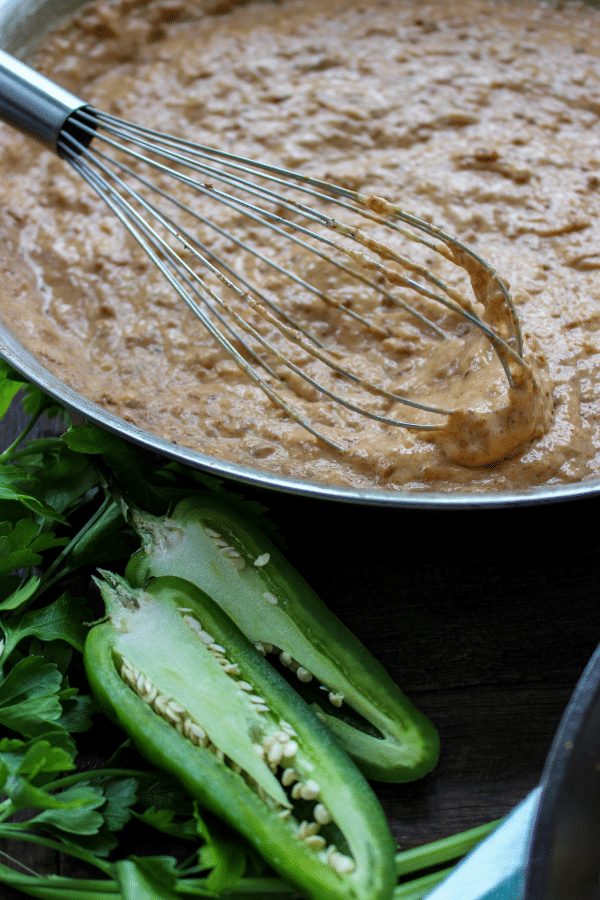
pixel 486 619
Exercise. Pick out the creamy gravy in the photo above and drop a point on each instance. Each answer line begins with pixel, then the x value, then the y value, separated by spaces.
pixel 482 116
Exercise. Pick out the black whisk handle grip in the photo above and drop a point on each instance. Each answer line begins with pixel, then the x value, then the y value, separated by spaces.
pixel 33 103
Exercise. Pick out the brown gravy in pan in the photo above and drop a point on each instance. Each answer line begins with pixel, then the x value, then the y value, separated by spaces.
pixel 482 116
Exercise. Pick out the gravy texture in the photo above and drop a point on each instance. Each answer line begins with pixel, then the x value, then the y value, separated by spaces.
pixel 481 116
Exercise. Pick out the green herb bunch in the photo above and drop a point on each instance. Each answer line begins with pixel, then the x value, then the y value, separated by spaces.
pixel 58 522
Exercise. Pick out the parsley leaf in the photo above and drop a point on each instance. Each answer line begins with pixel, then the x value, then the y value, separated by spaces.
pixel 22 545
pixel 32 757
pixel 16 484
pixel 220 852
pixel 63 480
pixel 62 619
pixel 74 810
pixel 15 593
pixel 29 696
pixel 8 389
pixel 164 820
pixel 120 795
pixel 147 878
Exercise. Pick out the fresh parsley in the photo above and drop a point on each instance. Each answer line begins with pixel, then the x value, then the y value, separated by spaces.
pixel 57 524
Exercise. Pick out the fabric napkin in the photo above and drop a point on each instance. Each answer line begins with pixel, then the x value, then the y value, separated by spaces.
pixel 495 869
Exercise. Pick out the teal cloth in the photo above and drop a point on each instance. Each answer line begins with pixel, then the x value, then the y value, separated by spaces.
pixel 495 869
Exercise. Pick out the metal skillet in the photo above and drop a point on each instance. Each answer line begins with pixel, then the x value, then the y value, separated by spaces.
pixel 564 858
pixel 21 25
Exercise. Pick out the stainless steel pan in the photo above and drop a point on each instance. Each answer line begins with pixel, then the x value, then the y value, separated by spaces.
pixel 564 861
pixel 22 24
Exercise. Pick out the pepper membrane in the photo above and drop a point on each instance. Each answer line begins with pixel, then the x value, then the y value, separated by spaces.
pixel 191 691
pixel 213 544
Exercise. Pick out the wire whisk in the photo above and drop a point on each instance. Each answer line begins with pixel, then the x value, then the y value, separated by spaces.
pixel 129 165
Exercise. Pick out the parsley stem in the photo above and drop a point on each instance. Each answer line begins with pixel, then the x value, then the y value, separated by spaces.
pixel 6 809
pixel 18 832
pixel 54 887
pixel 417 888
pixel 6 454
pixel 17 862
pixel 442 851
pixel 244 889
pixel 54 573
pixel 93 774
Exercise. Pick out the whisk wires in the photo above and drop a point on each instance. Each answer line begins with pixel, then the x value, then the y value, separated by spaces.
pixel 194 269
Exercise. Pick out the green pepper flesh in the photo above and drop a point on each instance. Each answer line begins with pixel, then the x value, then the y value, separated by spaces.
pixel 145 638
pixel 210 543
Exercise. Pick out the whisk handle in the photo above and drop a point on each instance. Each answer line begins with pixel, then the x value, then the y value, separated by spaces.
pixel 32 103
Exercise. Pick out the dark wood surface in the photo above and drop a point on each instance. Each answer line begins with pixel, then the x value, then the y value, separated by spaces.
pixel 486 619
